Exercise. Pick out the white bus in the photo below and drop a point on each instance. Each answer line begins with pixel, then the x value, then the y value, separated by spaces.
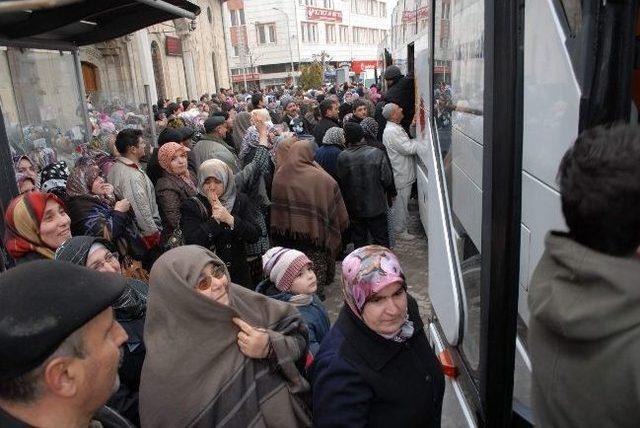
pixel 502 90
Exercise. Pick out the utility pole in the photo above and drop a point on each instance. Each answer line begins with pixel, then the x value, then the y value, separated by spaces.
pixel 243 55
pixel 293 74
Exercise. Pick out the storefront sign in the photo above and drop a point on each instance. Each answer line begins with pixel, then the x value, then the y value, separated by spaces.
pixel 241 77
pixel 412 15
pixel 173 46
pixel 408 15
pixel 317 14
pixel 360 66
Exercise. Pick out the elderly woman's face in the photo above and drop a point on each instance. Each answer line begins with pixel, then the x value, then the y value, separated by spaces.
pixel 55 225
pixel 213 185
pixel 104 260
pixel 213 283
pixel 386 311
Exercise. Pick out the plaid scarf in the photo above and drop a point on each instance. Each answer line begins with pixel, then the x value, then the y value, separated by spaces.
pixel 306 202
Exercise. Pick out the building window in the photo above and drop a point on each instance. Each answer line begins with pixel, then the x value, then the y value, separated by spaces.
pixel 330 29
pixel 328 4
pixel 209 15
pixel 344 34
pixel 266 33
pixel 237 17
pixel 309 32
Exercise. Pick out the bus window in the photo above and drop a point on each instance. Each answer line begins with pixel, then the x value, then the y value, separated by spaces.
pixel 458 92
pixel 573 14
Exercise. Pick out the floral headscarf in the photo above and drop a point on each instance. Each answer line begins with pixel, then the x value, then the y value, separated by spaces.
pixel 365 272
pixel 22 220
pixel 221 171
pixel 81 179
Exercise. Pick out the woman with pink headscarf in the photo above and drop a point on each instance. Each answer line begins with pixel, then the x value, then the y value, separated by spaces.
pixel 375 367
pixel 176 185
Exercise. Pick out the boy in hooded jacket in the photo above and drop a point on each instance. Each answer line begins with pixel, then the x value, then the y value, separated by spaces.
pixel 290 278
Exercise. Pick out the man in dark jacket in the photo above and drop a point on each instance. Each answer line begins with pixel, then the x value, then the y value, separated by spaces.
pixel 364 176
pixel 60 346
pixel 329 113
pixel 584 298
pixel 400 91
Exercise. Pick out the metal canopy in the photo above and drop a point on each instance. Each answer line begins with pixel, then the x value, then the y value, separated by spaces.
pixel 89 21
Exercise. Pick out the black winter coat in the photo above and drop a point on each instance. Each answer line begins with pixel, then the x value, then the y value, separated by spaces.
pixel 403 94
pixel 321 128
pixel 228 243
pixel 365 178
pixel 361 379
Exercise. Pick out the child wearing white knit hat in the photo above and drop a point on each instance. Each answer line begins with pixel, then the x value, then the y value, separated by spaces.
pixel 290 278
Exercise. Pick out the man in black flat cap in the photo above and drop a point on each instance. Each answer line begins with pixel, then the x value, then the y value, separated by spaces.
pixel 61 346
pixel 400 91
pixel 213 146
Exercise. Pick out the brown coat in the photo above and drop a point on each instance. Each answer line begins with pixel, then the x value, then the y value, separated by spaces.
pixel 171 192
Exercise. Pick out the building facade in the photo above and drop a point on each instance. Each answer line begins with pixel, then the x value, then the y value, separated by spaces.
pixel 267 39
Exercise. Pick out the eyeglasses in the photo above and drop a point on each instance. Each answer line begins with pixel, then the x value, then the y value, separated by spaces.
pixel 109 258
pixel 205 279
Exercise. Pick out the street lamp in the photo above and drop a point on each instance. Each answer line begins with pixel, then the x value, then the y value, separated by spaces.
pixel 286 15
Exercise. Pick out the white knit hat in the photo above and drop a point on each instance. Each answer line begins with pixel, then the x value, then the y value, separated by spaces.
pixel 283 265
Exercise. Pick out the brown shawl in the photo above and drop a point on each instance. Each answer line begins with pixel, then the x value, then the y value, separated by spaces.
pixel 194 373
pixel 306 201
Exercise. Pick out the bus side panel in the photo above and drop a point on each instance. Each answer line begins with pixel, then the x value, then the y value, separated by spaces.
pixel 550 125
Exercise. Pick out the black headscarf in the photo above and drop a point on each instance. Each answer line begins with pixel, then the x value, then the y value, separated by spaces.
pixel 132 303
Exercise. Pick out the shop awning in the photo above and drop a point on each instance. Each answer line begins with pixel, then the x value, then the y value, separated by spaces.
pixel 86 22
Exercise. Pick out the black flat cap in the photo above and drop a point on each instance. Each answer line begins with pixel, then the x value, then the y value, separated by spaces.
pixel 213 122
pixel 44 302
pixel 169 135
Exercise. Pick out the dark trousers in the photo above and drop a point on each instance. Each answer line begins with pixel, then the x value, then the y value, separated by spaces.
pixel 363 227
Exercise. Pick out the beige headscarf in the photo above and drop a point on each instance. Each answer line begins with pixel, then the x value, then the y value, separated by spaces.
pixel 194 373
pixel 221 171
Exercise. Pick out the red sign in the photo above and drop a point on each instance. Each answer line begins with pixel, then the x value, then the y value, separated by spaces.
pixel 173 46
pixel 424 12
pixel 360 66
pixel 317 14
pixel 251 77
pixel 412 15
pixel 408 15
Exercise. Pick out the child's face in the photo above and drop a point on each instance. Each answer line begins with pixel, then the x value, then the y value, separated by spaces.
pixel 305 282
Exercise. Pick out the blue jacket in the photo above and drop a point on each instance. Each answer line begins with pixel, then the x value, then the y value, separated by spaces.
pixel 314 314
pixel 327 157
pixel 361 379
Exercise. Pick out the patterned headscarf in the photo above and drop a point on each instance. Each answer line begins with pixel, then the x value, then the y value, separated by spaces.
pixel 132 303
pixel 370 127
pixel 22 220
pixel 54 178
pixel 365 272
pixel 81 179
pixel 334 137
pixel 221 171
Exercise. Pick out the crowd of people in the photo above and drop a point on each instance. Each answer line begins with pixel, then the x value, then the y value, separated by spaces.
pixel 197 268
pixel 183 285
